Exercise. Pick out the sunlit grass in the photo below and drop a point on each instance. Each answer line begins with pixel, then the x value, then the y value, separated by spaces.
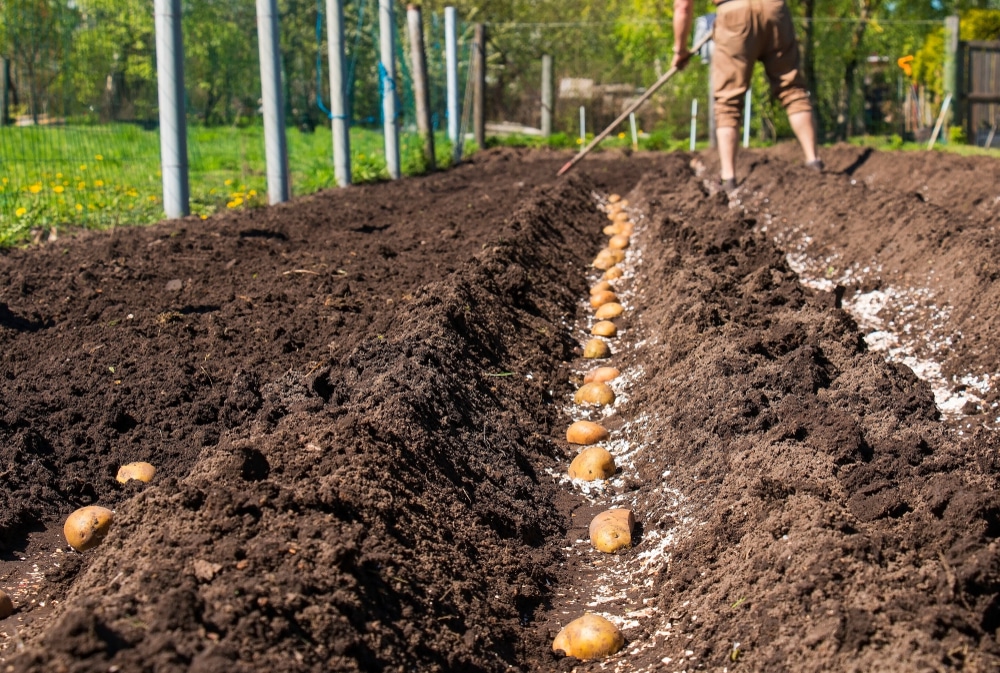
pixel 109 175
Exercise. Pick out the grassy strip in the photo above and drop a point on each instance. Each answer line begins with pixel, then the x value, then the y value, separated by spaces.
pixel 104 176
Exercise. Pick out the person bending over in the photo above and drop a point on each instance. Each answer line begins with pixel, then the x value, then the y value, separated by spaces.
pixel 747 31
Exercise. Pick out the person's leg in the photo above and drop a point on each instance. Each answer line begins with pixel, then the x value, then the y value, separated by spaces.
pixel 802 126
pixel 728 140
pixel 781 63
pixel 732 66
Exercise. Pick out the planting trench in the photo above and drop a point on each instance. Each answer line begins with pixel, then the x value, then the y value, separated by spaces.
pixel 358 405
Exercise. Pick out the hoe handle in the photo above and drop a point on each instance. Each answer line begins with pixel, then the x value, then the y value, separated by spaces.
pixel 631 108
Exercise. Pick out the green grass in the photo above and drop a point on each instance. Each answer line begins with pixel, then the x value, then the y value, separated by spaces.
pixel 897 143
pixel 109 175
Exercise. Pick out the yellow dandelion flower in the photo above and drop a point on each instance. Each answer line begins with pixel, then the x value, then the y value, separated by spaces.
pixel 99 157
pixel 152 197
pixel 204 217
pixel 252 193
pixel 58 176
pixel 213 190
pixel 21 211
pixel 83 167
pixel 621 136
pixel 98 183
pixel 59 189
pixel 81 185
pixel 79 207
pixel 228 182
pixel 6 180
pixel 579 141
pixel 235 203
pixel 35 188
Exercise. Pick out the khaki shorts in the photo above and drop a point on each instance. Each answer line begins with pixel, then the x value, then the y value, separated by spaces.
pixel 747 31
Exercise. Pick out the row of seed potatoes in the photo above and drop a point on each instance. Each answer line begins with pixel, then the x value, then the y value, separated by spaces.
pixel 592 636
pixel 88 526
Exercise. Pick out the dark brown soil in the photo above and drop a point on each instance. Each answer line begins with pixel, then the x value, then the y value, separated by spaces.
pixel 357 401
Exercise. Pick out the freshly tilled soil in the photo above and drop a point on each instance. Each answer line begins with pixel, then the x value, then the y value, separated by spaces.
pixel 357 404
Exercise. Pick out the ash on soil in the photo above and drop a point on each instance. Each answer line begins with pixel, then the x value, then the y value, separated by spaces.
pixel 354 446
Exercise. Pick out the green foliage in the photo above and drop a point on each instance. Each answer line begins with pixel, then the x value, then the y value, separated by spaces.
pixel 928 61
pixel 956 135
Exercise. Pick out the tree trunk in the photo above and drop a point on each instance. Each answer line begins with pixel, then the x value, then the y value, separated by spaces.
pixel 865 8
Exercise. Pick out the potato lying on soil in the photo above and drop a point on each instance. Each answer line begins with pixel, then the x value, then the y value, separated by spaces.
pixel 605 328
pixel 603 286
pixel 619 242
pixel 601 375
pixel 592 463
pixel 86 527
pixel 599 393
pixel 614 198
pixel 612 273
pixel 611 230
pixel 607 258
pixel 6 605
pixel 595 349
pixel 586 432
pixel 602 298
pixel 610 310
pixel 589 637
pixel 612 530
pixel 626 228
pixel 621 216
pixel 144 472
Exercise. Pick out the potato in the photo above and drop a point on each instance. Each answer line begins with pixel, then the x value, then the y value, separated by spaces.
pixel 612 273
pixel 601 375
pixel 611 230
pixel 586 432
pixel 592 463
pixel 602 286
pixel 589 637
pixel 626 228
pixel 604 328
pixel 612 530
pixel 142 471
pixel 86 527
pixel 619 242
pixel 595 349
pixel 621 216
pixel 607 258
pixel 594 393
pixel 6 605
pixel 602 298
pixel 614 198
pixel 609 310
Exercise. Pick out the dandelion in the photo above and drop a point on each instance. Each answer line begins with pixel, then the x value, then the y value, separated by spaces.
pixel 5 180
pixel 621 136
pixel 228 182
pixel 83 167
pixel 58 176
pixel 21 211
pixel 59 189
pixel 204 217
pixel 79 207
pixel 99 157
pixel 579 141
pixel 98 183
pixel 35 188
pixel 81 185
pixel 252 193
pixel 213 190
pixel 235 203
pixel 152 197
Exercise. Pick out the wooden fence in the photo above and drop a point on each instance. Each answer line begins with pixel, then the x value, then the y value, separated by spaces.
pixel 979 84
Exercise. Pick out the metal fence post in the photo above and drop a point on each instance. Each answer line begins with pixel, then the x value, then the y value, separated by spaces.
pixel 387 48
pixel 173 124
pixel 950 76
pixel 451 68
pixel 694 123
pixel 746 118
pixel 275 143
pixel 547 95
pixel 338 94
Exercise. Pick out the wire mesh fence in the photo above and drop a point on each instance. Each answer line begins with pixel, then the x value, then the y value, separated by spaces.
pixel 81 145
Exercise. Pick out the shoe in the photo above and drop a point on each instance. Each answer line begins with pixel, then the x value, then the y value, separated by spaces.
pixel 816 165
pixel 728 186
